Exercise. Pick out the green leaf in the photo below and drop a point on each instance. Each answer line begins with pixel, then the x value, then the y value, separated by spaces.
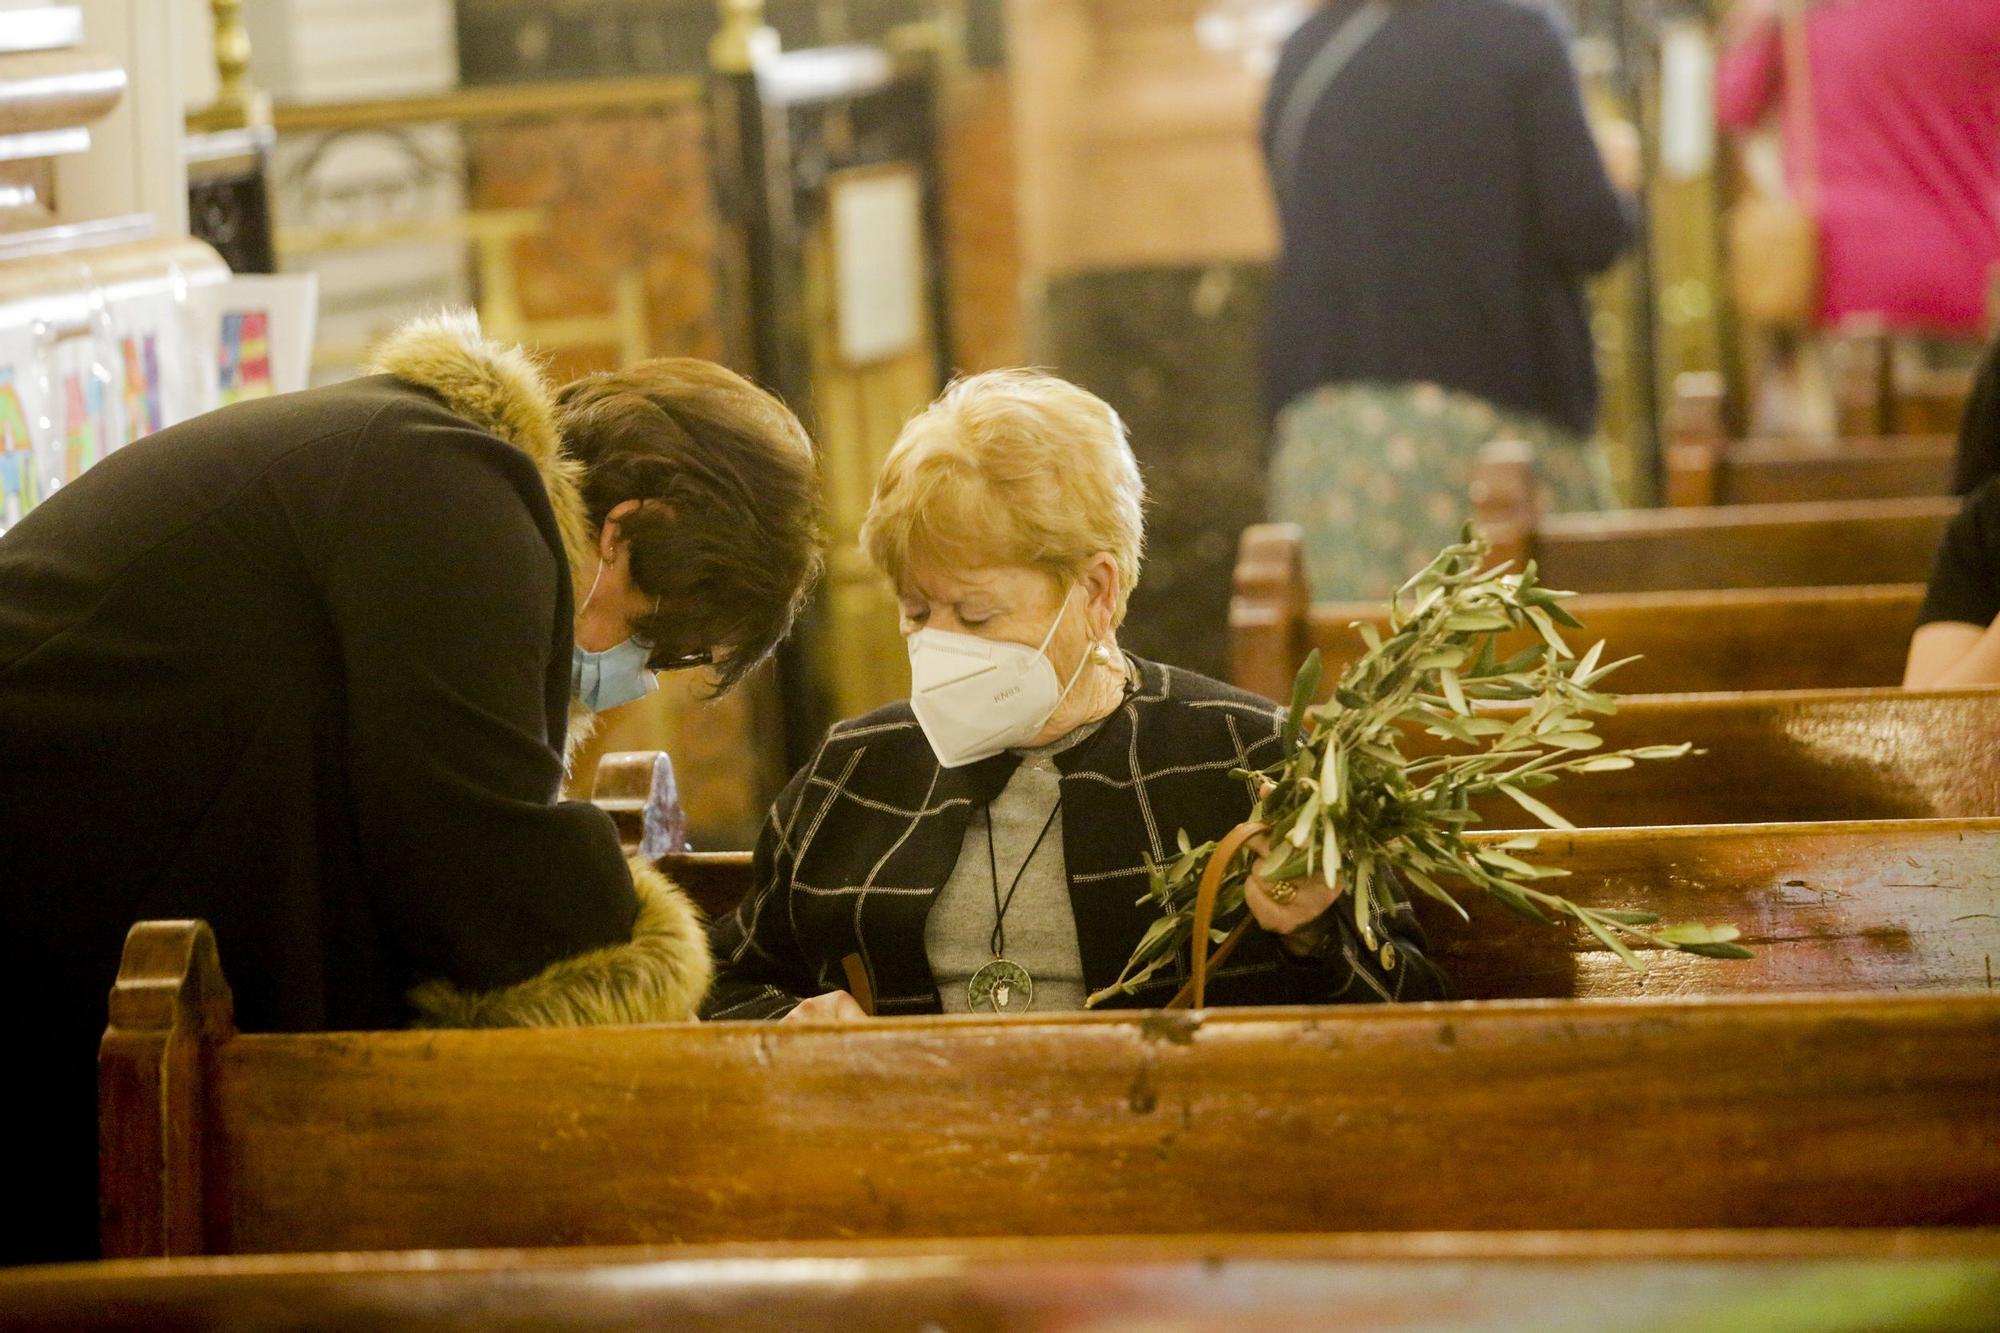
pixel 1697 934
pixel 1628 918
pixel 1612 942
pixel 1511 898
pixel 1281 863
pixel 1716 950
pixel 1535 807
pixel 1435 890
pixel 1304 686
pixel 1547 629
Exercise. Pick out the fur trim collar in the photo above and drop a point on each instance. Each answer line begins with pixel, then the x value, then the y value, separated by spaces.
pixel 499 389
pixel 659 977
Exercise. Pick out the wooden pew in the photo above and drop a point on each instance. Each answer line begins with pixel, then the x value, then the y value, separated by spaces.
pixel 623 783
pixel 1875 1109
pixel 1779 757
pixel 1883 905
pixel 1873 399
pixel 1732 639
pixel 1820 544
pixel 1782 472
pixel 1937 1279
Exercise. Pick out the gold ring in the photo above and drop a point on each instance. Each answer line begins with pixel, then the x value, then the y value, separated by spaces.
pixel 1282 892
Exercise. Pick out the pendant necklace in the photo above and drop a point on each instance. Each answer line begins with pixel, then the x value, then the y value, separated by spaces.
pixel 1003 985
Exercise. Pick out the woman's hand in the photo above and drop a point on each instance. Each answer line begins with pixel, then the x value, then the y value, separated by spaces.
pixel 836 1006
pixel 1294 905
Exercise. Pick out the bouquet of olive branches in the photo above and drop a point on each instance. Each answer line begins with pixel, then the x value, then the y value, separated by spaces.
pixel 1345 803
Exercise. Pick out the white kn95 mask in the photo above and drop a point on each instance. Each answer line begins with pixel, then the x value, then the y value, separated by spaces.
pixel 975 697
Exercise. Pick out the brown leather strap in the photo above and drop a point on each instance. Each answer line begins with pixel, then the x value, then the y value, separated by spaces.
pixel 857 983
pixel 1196 991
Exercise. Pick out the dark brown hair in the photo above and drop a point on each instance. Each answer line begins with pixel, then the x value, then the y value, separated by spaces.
pixel 733 545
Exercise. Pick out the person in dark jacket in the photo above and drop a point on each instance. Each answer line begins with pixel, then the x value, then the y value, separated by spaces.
pixel 307 668
pixel 1978 458
pixel 1957 640
pixel 983 846
pixel 1441 198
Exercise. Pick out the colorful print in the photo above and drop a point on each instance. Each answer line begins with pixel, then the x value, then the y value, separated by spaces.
pixel 18 489
pixel 87 432
pixel 1379 477
pixel 245 355
pixel 143 414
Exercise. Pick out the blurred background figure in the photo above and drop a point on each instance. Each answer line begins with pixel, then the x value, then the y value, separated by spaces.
pixel 1441 199
pixel 1890 131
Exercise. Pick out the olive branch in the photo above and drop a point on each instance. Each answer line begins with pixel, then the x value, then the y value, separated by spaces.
pixel 1346 803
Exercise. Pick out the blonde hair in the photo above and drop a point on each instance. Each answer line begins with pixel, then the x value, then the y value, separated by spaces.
pixel 1012 467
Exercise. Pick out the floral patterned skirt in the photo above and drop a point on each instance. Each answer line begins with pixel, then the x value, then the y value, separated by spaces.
pixel 1379 477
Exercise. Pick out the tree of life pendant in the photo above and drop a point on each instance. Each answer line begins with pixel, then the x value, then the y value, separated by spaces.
pixel 1001 987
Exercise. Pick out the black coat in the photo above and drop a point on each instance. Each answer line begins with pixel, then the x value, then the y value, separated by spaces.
pixel 863 838
pixel 1449 202
pixel 301 668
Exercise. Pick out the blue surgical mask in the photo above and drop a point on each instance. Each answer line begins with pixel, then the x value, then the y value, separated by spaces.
pixel 616 675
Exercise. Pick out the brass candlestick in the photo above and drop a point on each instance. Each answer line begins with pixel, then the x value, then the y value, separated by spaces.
pixel 743 39
pixel 238 103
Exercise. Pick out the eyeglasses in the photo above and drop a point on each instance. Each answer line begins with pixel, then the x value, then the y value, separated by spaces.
pixel 681 662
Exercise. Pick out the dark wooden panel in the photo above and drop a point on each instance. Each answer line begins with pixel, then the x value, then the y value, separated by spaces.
pixel 1767 473
pixel 1706 471
pixel 1704 642
pixel 1908 905
pixel 1687 641
pixel 1939 1279
pixel 1904 905
pixel 1743 546
pixel 1791 756
pixel 1859 1111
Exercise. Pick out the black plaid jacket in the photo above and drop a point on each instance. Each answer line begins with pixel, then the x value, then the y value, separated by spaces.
pixel 860 841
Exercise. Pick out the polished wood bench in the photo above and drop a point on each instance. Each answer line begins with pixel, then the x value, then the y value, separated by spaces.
pixel 1688 641
pixel 1784 756
pixel 1782 472
pixel 1819 544
pixel 1897 905
pixel 1876 1108
pixel 1778 757
pixel 621 787
pixel 1939 1279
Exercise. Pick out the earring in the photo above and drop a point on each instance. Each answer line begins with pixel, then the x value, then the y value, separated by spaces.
pixel 1100 654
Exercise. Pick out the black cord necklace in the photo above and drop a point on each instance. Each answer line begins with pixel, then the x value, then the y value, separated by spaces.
pixel 1004 985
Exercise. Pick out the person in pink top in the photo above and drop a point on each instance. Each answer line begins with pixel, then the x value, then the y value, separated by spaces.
pixel 1905 97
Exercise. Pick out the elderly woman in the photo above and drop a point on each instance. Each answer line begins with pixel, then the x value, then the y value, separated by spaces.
pixel 983 846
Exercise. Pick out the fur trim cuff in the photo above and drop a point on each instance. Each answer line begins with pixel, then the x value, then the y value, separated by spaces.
pixel 659 977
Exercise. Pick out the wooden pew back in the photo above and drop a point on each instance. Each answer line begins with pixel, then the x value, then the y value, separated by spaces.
pixel 1821 544
pixel 1784 757
pixel 1941 1278
pixel 1689 641
pixel 1891 905
pixel 1876 1110
pixel 621 788
pixel 1783 472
